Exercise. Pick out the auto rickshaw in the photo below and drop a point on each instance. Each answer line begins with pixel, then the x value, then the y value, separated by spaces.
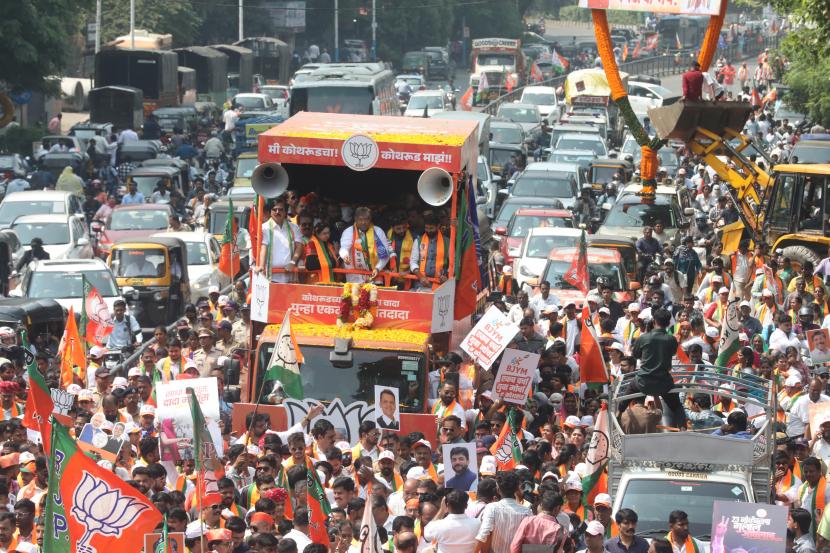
pixel 179 164
pixel 56 162
pixel 156 269
pixel 138 150
pixel 601 171
pixel 500 154
pixel 148 178
pixel 43 320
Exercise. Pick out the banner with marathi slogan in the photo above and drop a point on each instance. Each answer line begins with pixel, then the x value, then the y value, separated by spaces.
pixel 755 527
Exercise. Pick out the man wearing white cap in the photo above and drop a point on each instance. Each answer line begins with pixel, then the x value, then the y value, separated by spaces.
pixel 793 389
pixel 750 325
pixel 602 508
pixel 543 299
pixel 595 534
pixel 766 310
pixel 707 294
pixel 627 328
pixel 508 285
pixel 96 358
pixel 715 312
pixel 573 499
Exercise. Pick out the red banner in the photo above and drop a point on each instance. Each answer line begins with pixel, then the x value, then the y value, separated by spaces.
pixel 317 304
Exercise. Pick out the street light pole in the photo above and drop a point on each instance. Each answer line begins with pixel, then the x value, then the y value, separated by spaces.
pixel 336 32
pixel 97 26
pixel 374 31
pixel 132 23
pixel 241 23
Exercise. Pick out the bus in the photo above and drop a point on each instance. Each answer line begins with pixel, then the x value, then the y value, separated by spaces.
pixel 151 71
pixel 681 32
pixel 353 88
pixel 211 72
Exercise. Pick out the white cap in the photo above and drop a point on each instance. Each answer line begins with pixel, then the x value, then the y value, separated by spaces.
pixel 74 389
pixel 573 483
pixel 190 364
pixel 213 289
pixel 723 290
pixel 146 410
pixel 595 527
pixel 422 443
pixel 343 446
pixel 616 346
pixel 745 303
pixel 792 381
pixel 742 337
pixel 97 351
pixel 605 310
pixel 717 278
pixel 603 499
pixel 488 465
pixel 417 473
pixel 712 332
pixel 194 530
pixel 573 421
pixel 594 298
pixel 223 300
pixel 387 455
pixel 556 397
pixel 633 306
pixel 253 449
pixel 507 269
pixel 550 474
pixel 26 457
pixel 135 371
pixel 119 382
pixel 586 421
pixel 681 171
pixel 767 293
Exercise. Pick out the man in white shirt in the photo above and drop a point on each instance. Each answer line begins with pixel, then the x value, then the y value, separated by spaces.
pixel 300 531
pixel 543 299
pixel 798 420
pixel 517 310
pixel 451 530
pixel 283 239
pixel 230 117
pixel 821 440
pixel 127 135
pixel 783 336
pixel 364 246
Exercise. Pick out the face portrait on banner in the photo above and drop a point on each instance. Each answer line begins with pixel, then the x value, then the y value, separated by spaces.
pixel 386 408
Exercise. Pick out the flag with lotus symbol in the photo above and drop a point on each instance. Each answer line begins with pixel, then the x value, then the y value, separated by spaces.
pixel 318 508
pixel 208 467
pixel 88 508
pixel 39 403
pixel 507 449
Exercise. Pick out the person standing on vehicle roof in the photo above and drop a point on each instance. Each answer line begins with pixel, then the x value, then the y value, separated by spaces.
pixel 281 246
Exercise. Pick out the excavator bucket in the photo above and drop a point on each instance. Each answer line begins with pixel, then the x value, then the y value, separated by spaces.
pixel 680 120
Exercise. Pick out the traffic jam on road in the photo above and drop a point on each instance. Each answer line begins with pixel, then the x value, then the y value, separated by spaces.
pixel 510 294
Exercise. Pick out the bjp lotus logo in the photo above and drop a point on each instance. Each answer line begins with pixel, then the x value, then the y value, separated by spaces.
pixel 360 152
pixel 102 510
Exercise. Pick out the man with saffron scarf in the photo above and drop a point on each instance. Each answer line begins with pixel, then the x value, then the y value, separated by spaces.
pixel 813 493
pixel 430 254
pixel 282 245
pixel 402 242
pixel 364 246
pixel 679 537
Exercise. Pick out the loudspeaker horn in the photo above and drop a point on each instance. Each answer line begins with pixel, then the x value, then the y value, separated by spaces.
pixel 435 186
pixel 269 180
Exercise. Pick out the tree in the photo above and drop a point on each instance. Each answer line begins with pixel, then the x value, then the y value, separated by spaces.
pixel 180 19
pixel 36 35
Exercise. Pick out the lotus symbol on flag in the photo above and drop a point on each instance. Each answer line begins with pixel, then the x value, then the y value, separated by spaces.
pixel 102 510
pixel 504 454
pixel 63 401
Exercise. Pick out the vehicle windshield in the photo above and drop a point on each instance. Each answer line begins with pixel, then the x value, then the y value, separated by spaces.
pixel 197 253
pixel 245 166
pixel 138 219
pixel 413 59
pixel 519 114
pixel 812 154
pixel 51 233
pixel 147 184
pixel 420 102
pixel 10 210
pixel 138 262
pixel 275 93
pixel 332 99
pixel 496 59
pixel 640 215
pixel 648 498
pixel 567 143
pixel 539 246
pixel 508 209
pixel 356 382
pixel 48 284
pixel 219 217
pixel 555 186
pixel 603 175
pixel 499 157
pixel 668 157
pixel 507 135
pixel 520 225
pixel 539 98
pixel 250 102
pixel 570 157
pixel 557 269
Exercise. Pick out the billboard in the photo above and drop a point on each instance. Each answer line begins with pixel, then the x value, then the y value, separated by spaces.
pixel 681 7
pixel 289 15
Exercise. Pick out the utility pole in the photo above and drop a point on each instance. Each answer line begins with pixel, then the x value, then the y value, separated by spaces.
pixel 97 26
pixel 336 32
pixel 374 31
pixel 132 23
pixel 241 22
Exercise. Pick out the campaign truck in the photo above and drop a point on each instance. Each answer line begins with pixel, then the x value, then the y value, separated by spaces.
pixel 501 62
pixel 691 470
pixel 373 161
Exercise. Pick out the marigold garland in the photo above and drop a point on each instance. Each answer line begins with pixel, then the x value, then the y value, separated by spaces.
pixel 360 299
pixel 391 335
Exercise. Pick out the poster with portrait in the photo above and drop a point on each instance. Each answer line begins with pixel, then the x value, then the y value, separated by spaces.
pixel 386 408
pixel 818 342
pixel 756 527
pixel 175 423
pixel 94 439
pixel 175 542
pixel 460 466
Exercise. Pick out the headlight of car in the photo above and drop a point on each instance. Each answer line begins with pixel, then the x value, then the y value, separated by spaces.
pixel 158 296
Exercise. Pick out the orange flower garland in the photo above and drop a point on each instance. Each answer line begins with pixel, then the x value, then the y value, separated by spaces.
pixel 606 53
pixel 710 41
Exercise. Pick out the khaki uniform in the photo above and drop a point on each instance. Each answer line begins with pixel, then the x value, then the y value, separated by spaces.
pixel 207 360
pixel 228 347
pixel 240 333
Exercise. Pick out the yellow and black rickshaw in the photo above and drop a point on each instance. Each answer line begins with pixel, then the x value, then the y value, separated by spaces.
pixel 156 270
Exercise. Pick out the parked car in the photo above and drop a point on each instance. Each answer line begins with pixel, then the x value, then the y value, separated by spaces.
pixel 131 221
pixel 64 236
pixel 36 202
pixel 536 248
pixel 202 262
pixel 62 280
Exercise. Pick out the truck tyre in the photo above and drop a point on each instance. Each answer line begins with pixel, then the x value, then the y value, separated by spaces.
pixel 799 254
pixel 6 110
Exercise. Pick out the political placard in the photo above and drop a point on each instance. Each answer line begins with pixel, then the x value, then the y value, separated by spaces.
pixel 175 543
pixel 386 407
pixel 756 527
pixel 175 421
pixel 260 292
pixel 489 337
pixel 515 376
pixel 460 466
pixel 819 345
pixel 818 414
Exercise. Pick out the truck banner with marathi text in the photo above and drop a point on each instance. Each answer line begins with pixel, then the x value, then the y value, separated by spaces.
pixel 756 527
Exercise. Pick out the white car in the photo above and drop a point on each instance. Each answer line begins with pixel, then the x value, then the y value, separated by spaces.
pixel 543 97
pixel 535 250
pixel 279 96
pixel 429 101
pixel 34 202
pixel 253 101
pixel 202 261
pixel 64 236
pixel 61 280
pixel 644 96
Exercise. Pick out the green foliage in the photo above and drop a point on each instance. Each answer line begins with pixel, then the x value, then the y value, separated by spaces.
pixel 501 19
pixel 615 17
pixel 178 18
pixel 18 140
pixel 36 36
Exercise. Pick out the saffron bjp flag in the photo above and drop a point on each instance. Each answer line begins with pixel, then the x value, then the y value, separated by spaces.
pixel 467 100
pixel 208 467
pixel 229 256
pixel 625 52
pixel 592 366
pixel 71 352
pixel 577 273
pixel 467 266
pixel 282 482
pixel 39 404
pixel 507 449
pixel 88 508
pixel 255 228
pixel 636 53
pixel 595 480
pixel 97 317
pixel 284 366
pixel 318 508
